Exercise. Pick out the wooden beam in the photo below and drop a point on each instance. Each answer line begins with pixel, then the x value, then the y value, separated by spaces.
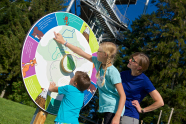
pixel 170 115
pixel 159 117
pixel 39 117
pixel 141 121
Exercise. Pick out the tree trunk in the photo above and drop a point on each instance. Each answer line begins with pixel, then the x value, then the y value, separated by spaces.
pixel 3 93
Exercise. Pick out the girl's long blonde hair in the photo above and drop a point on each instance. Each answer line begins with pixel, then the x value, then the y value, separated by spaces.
pixel 111 50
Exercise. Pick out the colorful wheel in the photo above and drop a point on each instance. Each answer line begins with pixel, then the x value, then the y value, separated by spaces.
pixel 43 60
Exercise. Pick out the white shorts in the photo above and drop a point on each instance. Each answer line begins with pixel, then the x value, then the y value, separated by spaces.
pixel 129 120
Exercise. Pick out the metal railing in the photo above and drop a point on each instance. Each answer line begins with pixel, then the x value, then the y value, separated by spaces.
pixel 111 2
pixel 110 23
pixel 113 28
pixel 122 18
pixel 98 6
pixel 120 36
pixel 93 2
pixel 102 9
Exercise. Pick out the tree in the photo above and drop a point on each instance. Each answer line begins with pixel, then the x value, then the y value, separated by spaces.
pixel 16 18
pixel 162 36
pixel 13 27
pixel 39 8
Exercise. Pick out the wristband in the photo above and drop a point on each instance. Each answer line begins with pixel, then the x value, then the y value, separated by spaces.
pixel 142 110
pixel 65 43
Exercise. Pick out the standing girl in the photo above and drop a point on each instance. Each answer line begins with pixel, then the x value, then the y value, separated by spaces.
pixel 111 94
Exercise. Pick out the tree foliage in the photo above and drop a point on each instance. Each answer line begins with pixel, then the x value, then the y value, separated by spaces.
pixel 39 8
pixel 90 111
pixel 162 36
pixel 16 18
pixel 13 27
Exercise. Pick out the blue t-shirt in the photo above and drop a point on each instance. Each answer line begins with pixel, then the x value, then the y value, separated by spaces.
pixel 70 105
pixel 108 94
pixel 136 88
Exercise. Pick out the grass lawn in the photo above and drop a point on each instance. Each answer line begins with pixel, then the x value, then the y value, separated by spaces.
pixel 16 113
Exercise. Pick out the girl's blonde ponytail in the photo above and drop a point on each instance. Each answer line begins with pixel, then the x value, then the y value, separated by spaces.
pixel 108 62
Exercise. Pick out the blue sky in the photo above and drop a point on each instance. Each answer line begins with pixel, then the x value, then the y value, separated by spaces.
pixel 133 11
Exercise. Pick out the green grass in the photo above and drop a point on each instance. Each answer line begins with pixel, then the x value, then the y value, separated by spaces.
pixel 16 113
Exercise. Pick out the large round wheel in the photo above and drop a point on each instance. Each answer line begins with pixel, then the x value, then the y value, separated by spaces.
pixel 44 60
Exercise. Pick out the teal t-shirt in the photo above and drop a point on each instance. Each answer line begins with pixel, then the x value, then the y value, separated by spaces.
pixel 108 94
pixel 70 105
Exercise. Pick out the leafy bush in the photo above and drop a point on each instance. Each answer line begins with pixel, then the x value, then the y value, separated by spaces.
pixel 20 94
